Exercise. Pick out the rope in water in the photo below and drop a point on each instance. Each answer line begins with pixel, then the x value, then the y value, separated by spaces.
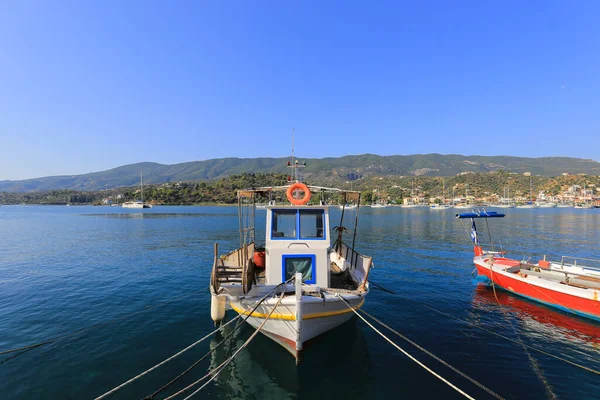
pixel 181 375
pixel 64 336
pixel 534 364
pixel 512 340
pixel 406 353
pixel 217 370
pixel 179 353
pixel 476 383
pixel 161 363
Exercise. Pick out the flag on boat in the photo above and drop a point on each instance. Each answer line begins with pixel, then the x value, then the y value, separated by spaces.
pixel 474 233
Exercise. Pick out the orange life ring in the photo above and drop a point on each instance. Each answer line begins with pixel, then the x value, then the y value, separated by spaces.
pixel 298 186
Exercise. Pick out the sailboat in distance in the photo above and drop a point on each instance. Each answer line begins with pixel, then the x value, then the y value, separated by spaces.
pixel 138 203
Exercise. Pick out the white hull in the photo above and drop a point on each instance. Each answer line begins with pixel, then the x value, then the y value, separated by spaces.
pixel 465 206
pixel 527 206
pixel 547 205
pixel 440 207
pixel 411 206
pixel 317 316
pixel 136 205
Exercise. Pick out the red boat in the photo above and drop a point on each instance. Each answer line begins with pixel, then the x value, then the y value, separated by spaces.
pixel 566 285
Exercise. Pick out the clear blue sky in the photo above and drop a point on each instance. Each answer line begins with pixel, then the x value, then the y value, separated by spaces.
pixel 92 85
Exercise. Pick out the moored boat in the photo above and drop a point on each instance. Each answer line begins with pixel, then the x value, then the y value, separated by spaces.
pixel 546 204
pixel 528 205
pixel 378 205
pixel 138 203
pixel 440 207
pixel 567 285
pixel 296 285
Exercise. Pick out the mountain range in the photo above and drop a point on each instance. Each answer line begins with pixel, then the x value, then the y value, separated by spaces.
pixel 324 170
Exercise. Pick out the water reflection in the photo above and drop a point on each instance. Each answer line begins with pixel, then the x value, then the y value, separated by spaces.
pixel 540 322
pixel 149 215
pixel 266 370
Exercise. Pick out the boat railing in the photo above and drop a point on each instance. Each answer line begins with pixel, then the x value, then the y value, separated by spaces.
pixel 574 262
pixel 357 261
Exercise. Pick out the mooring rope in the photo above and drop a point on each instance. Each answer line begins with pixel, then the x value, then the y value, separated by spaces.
pixel 98 325
pixel 163 362
pixel 406 353
pixel 534 364
pixel 459 372
pixel 512 340
pixel 230 334
pixel 217 370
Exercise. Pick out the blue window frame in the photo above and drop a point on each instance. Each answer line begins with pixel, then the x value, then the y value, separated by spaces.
pixel 304 263
pixel 297 224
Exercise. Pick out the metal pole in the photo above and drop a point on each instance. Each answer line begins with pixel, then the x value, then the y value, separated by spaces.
pixel 355 224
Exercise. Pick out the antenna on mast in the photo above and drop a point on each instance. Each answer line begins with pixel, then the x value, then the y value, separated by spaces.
pixel 294 164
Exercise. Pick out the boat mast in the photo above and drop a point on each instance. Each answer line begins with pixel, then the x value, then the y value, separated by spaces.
pixel 142 186
pixel 530 190
pixel 293 167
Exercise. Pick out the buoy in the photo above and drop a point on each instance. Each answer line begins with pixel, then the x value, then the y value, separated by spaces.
pixel 259 259
pixel 217 308
pixel 298 186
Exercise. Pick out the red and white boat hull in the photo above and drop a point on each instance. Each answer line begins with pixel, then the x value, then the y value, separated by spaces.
pixel 505 273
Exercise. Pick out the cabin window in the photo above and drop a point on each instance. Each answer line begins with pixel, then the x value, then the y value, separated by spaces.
pixel 283 224
pixel 303 263
pixel 311 224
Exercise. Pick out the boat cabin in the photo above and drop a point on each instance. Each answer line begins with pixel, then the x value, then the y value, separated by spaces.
pixel 297 240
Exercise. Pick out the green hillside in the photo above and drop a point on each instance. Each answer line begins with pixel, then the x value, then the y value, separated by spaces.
pixel 325 170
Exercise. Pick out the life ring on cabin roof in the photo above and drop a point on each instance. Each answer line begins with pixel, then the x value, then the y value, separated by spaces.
pixel 298 186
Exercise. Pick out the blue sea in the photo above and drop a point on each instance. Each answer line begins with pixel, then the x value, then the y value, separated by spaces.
pixel 140 279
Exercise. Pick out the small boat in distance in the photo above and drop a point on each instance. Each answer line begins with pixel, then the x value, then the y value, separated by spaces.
pixel 378 205
pixel 138 203
pixel 567 285
pixel 463 205
pixel 530 203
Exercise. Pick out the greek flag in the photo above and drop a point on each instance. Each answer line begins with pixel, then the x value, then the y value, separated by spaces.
pixel 474 233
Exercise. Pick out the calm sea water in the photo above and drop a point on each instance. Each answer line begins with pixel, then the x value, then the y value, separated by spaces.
pixel 67 268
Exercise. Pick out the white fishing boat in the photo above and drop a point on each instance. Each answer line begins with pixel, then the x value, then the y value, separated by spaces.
pixel 138 203
pixel 294 286
pixel 348 206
